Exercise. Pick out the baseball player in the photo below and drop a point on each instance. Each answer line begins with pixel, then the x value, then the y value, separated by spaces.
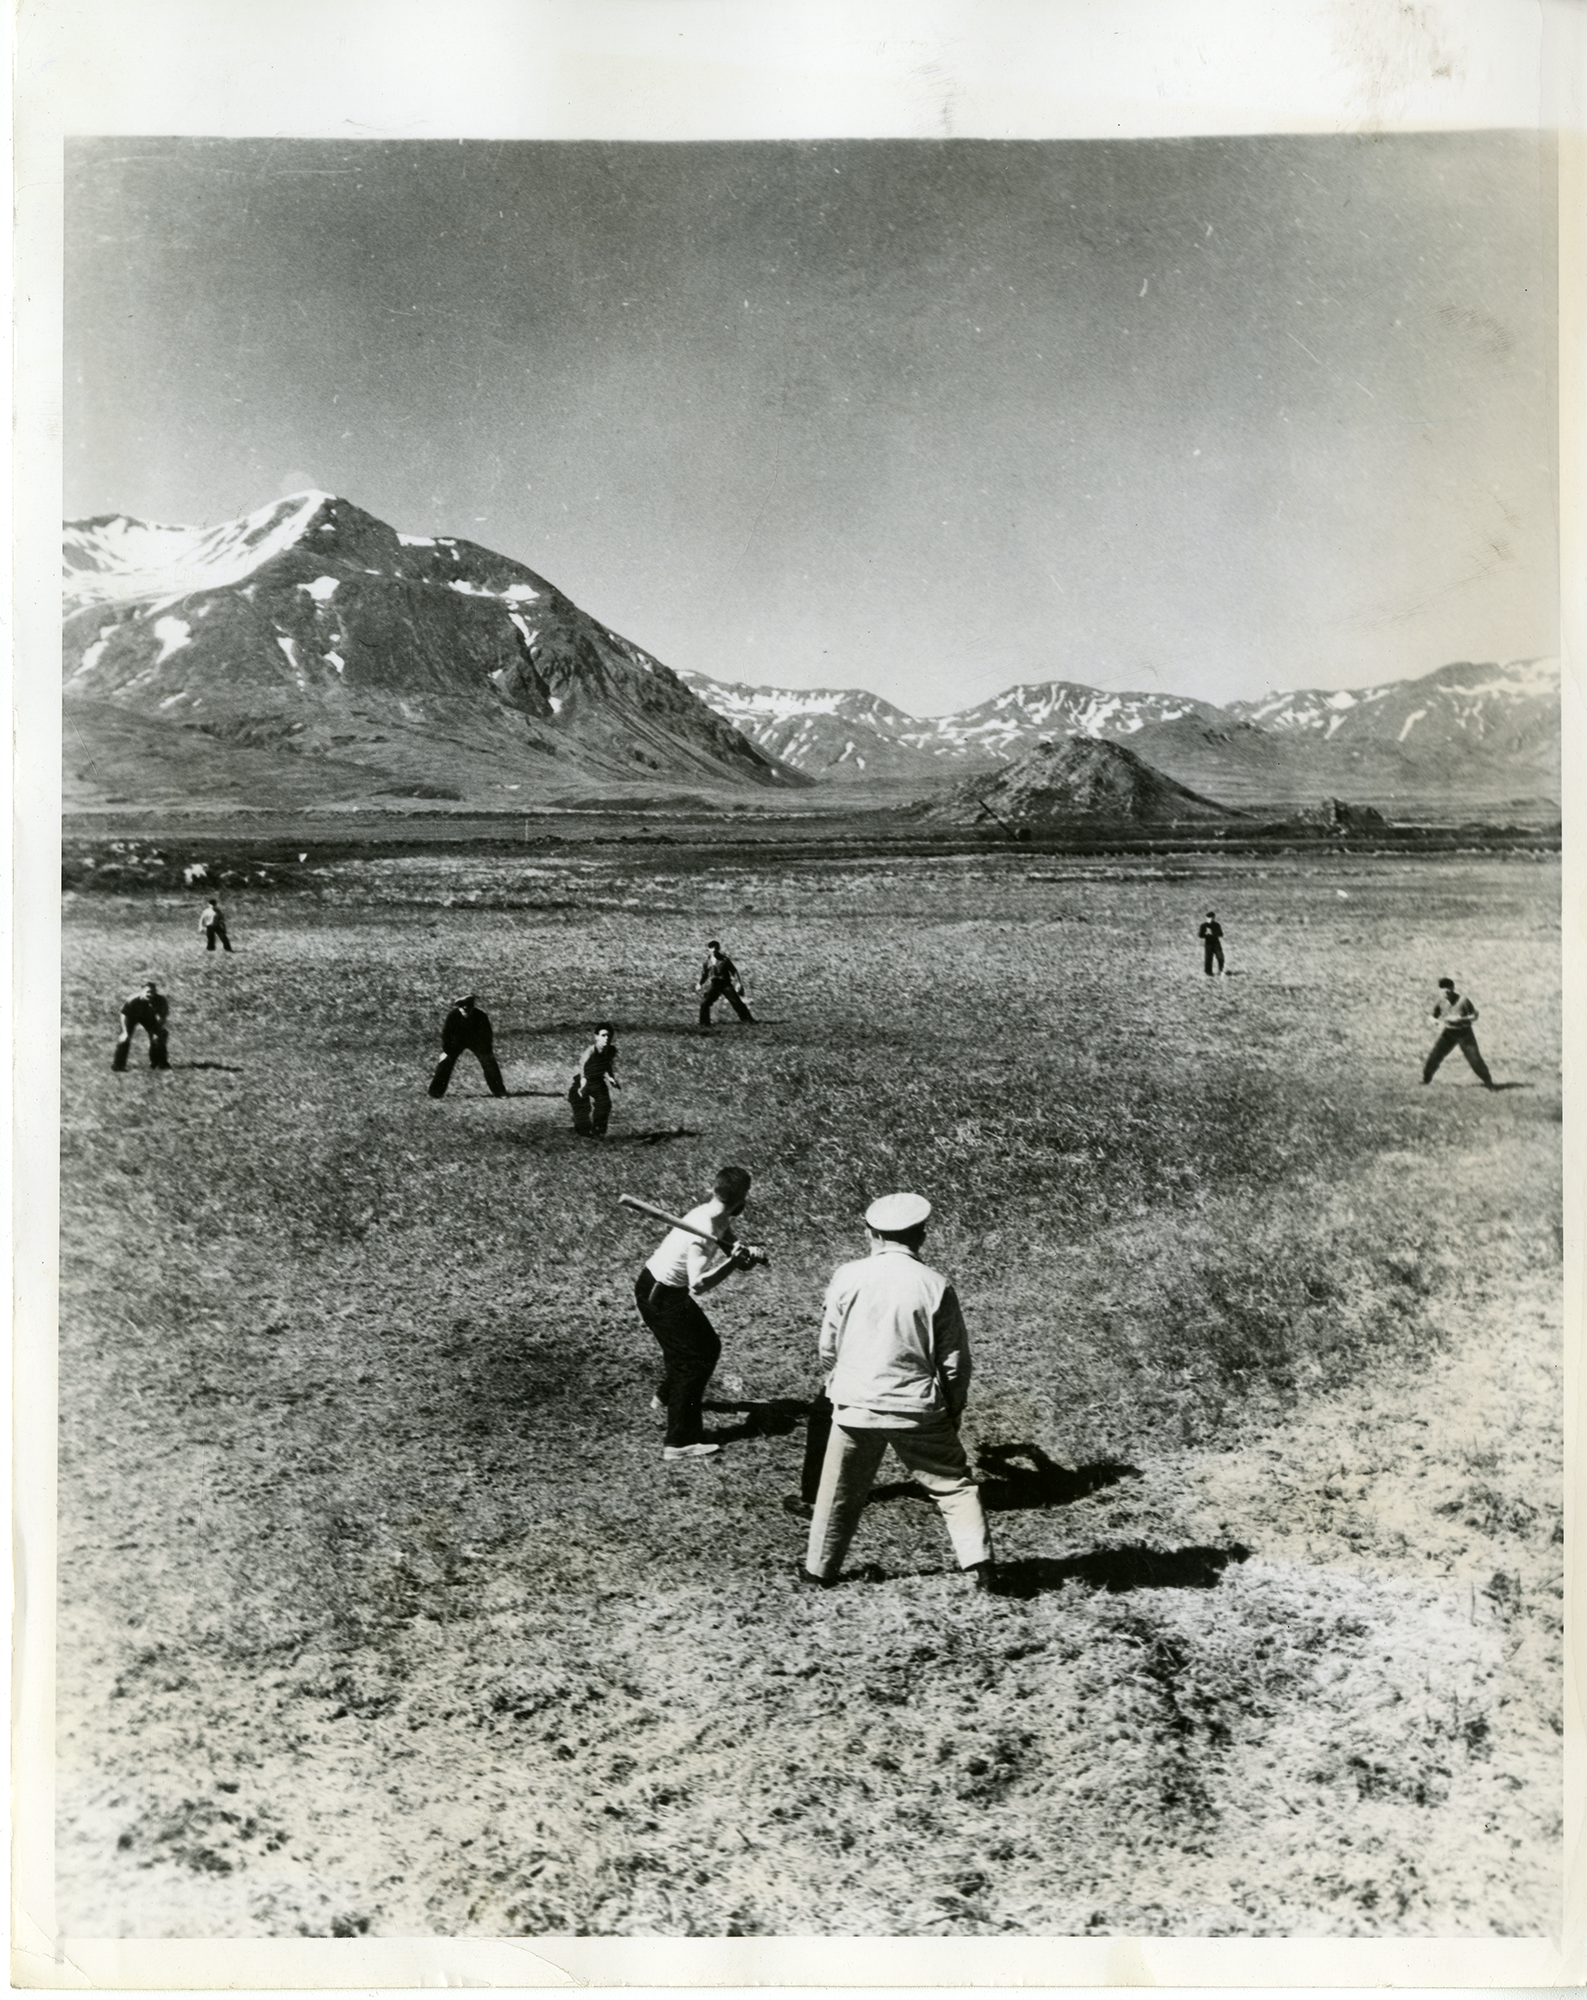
pixel 683 1269
pixel 1458 1016
pixel 467 1027
pixel 147 1010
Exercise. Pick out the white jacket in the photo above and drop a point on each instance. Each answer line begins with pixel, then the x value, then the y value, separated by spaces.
pixel 893 1336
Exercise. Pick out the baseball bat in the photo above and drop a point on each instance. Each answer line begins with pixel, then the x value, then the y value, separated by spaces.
pixel 677 1222
pixel 672 1221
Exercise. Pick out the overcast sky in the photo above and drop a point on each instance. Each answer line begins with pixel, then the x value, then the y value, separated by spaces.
pixel 1206 415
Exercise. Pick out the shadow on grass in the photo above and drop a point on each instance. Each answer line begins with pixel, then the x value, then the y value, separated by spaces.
pixel 230 1069
pixel 586 1028
pixel 1512 1086
pixel 1133 1567
pixel 562 1138
pixel 772 1419
pixel 1007 1487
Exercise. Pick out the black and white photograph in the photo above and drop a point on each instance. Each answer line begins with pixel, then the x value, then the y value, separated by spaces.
pixel 810 1114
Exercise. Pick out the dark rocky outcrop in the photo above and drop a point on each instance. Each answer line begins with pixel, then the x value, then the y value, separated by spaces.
pixel 1073 781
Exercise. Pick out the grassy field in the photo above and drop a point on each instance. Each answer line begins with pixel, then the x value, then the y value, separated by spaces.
pixel 380 1612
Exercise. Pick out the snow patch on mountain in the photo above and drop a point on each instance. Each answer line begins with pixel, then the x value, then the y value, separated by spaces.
pixel 114 558
pixel 1462 712
pixel 173 634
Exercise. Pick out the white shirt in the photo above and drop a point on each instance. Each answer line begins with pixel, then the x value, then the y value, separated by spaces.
pixel 683 1260
pixel 1455 1010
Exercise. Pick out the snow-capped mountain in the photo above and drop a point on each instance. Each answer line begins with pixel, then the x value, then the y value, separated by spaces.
pixel 314 629
pixel 824 732
pixel 848 733
pixel 1508 707
pixel 1483 732
pixel 1008 724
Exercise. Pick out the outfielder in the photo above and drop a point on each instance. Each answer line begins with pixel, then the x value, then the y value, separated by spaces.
pixel 212 926
pixel 1459 1018
pixel 719 980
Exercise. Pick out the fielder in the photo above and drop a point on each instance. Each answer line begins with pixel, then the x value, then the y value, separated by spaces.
pixel 212 926
pixel 894 1340
pixel 147 1010
pixel 719 980
pixel 1459 1017
pixel 590 1093
pixel 467 1027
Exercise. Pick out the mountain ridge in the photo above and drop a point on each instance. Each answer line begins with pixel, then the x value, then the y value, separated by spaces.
pixel 315 630
pixel 312 633
pixel 1466 730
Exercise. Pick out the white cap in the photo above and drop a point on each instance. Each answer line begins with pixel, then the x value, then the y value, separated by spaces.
pixel 895 1213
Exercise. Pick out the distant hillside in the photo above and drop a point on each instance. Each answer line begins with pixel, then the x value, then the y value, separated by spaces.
pixel 1073 780
pixel 310 651
pixel 1463 735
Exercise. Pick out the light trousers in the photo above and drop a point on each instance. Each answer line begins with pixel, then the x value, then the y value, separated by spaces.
pixel 932 1452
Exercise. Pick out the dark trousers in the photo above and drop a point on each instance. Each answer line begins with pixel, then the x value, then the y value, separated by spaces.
pixel 720 990
pixel 592 1111
pixel 1211 953
pixel 158 1059
pixel 213 932
pixel 690 1351
pixel 1456 1038
pixel 445 1067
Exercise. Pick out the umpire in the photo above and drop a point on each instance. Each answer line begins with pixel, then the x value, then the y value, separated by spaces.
pixel 467 1027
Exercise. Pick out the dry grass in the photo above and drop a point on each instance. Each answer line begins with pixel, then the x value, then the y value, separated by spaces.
pixel 382 1613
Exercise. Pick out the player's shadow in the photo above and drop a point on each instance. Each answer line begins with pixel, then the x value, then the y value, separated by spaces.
pixel 658 1138
pixel 1009 1487
pixel 230 1069
pixel 775 1418
pixel 1132 1567
pixel 1512 1086
pixel 585 1028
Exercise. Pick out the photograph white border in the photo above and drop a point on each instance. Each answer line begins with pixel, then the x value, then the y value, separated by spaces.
pixel 682 70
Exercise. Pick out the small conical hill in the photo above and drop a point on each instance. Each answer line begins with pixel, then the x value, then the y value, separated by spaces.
pixel 1073 780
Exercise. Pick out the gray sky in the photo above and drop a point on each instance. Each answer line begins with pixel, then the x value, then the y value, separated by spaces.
pixel 1207 415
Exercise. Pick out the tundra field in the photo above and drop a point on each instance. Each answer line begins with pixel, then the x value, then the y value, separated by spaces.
pixel 380 1612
